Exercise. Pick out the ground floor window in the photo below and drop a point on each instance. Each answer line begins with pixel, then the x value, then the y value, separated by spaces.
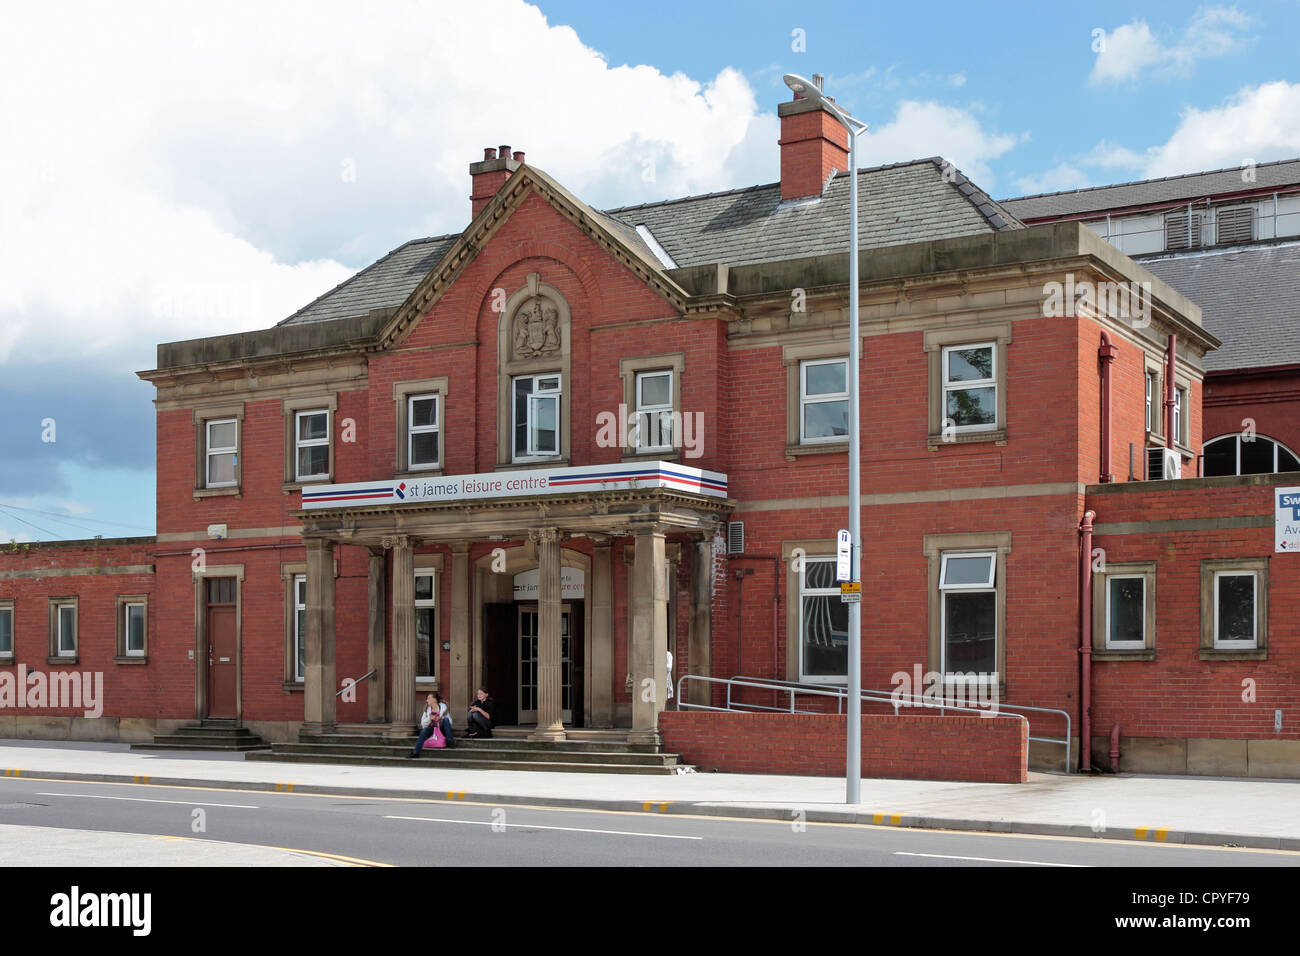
pixel 968 605
pixel 823 623
pixel 6 630
pixel 1234 608
pixel 299 627
pixel 1235 621
pixel 425 625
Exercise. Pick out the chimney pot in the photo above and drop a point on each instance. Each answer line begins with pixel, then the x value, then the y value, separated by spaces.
pixel 489 153
pixel 519 156
pixel 504 152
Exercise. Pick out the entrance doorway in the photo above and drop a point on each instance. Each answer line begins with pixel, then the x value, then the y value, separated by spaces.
pixel 510 666
pixel 223 648
pixel 529 619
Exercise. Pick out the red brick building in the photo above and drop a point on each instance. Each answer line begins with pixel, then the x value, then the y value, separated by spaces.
pixel 540 454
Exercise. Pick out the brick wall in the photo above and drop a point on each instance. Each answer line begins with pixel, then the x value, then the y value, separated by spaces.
pixel 982 749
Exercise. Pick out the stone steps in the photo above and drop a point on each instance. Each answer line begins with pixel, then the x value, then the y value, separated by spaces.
pixel 451 760
pixel 208 735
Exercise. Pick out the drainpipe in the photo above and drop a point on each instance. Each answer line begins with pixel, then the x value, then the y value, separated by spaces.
pixel 1114 748
pixel 1170 363
pixel 1106 354
pixel 1085 642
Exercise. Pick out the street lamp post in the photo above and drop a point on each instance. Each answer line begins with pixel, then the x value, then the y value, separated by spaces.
pixel 853 761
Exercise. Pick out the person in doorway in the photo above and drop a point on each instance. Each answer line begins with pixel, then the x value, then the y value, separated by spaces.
pixel 480 715
pixel 444 720
pixel 430 722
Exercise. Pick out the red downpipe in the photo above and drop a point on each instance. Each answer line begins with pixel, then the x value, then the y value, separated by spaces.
pixel 1114 747
pixel 1106 354
pixel 1085 642
pixel 1170 362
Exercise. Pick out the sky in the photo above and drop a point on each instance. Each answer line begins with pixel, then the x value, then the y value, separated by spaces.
pixel 171 171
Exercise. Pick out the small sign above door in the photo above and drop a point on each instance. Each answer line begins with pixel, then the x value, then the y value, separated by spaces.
pixel 573 584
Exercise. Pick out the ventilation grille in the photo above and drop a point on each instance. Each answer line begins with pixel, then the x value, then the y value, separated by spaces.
pixel 735 537
pixel 1177 234
pixel 1234 224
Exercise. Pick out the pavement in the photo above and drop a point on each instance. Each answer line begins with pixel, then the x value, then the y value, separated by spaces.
pixel 1215 811
pixel 54 846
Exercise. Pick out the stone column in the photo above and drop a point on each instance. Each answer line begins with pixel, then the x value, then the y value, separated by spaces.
pixel 401 702
pixel 649 650
pixel 458 690
pixel 318 691
pixel 550 723
pixel 377 643
pixel 701 634
pixel 602 635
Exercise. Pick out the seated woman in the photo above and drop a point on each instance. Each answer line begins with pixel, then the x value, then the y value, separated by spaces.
pixel 430 723
pixel 444 720
pixel 480 715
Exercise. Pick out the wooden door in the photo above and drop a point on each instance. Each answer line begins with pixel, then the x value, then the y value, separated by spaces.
pixel 223 649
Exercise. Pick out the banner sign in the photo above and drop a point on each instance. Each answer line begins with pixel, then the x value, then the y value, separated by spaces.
pixel 516 484
pixel 1286 520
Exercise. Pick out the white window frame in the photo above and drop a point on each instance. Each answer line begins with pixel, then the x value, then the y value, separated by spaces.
pixel 1125 645
pixel 805 591
pixel 821 399
pixel 412 430
pixel 1253 643
pixel 299 638
pixel 59 649
pixel 1151 394
pixel 644 412
pixel 430 602
pixel 535 396
pixel 1178 415
pixel 209 452
pixel 300 443
pixel 1235 438
pixel 127 650
pixel 969 384
pixel 7 610
pixel 989 587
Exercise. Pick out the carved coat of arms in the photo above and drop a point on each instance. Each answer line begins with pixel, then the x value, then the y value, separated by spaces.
pixel 537 328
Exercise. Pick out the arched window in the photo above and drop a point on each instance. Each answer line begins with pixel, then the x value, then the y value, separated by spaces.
pixel 1233 455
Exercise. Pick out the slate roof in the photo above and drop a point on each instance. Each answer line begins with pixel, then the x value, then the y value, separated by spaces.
pixel 1148 192
pixel 1249 296
pixel 900 203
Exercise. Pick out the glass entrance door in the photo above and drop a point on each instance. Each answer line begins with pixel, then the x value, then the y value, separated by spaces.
pixel 529 618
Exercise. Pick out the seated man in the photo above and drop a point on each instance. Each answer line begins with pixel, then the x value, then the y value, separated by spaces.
pixel 430 722
pixel 480 715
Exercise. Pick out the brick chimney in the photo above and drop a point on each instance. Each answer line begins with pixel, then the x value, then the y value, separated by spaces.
pixel 813 145
pixel 490 175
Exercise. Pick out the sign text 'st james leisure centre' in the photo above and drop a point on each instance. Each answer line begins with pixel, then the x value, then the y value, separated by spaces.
pixel 544 481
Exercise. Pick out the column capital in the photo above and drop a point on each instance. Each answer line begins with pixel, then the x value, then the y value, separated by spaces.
pixel 544 535
pixel 318 543
pixel 390 541
pixel 460 547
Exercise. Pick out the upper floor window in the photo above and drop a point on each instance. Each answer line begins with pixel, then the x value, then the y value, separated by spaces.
pixel 1180 402
pixel 1153 401
pixel 823 400
pixel 537 416
pixel 312 445
pixel 654 411
pixel 422 431
pixel 220 452
pixel 6 630
pixel 63 627
pixel 970 386
pixel 1254 455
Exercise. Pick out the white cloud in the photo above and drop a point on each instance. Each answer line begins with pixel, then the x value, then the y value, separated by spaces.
pixel 933 129
pixel 179 171
pixel 1062 176
pixel 1130 49
pixel 1259 122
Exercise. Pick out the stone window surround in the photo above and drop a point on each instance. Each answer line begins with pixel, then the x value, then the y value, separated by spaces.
pixel 289 408
pixel 1208 652
pixel 1156 436
pixel 9 604
pixel 288 571
pixel 121 656
pixel 628 369
pixel 1100 652
pixel 933 547
pixel 402 392
pixel 812 548
pixel 509 368
pixel 793 357
pixel 203 415
pixel 55 602
pixel 934 342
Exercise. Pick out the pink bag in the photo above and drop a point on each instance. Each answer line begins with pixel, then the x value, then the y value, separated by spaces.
pixel 436 740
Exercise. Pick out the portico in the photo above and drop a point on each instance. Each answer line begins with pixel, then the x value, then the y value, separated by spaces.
pixel 547 531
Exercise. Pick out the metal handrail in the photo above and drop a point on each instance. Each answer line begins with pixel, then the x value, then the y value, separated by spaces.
pixel 896 698
pixel 366 676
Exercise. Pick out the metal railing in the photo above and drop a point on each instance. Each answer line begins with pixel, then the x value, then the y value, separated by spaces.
pixel 370 674
pixel 896 698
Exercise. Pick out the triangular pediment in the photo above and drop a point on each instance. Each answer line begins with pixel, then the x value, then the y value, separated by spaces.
pixel 611 235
